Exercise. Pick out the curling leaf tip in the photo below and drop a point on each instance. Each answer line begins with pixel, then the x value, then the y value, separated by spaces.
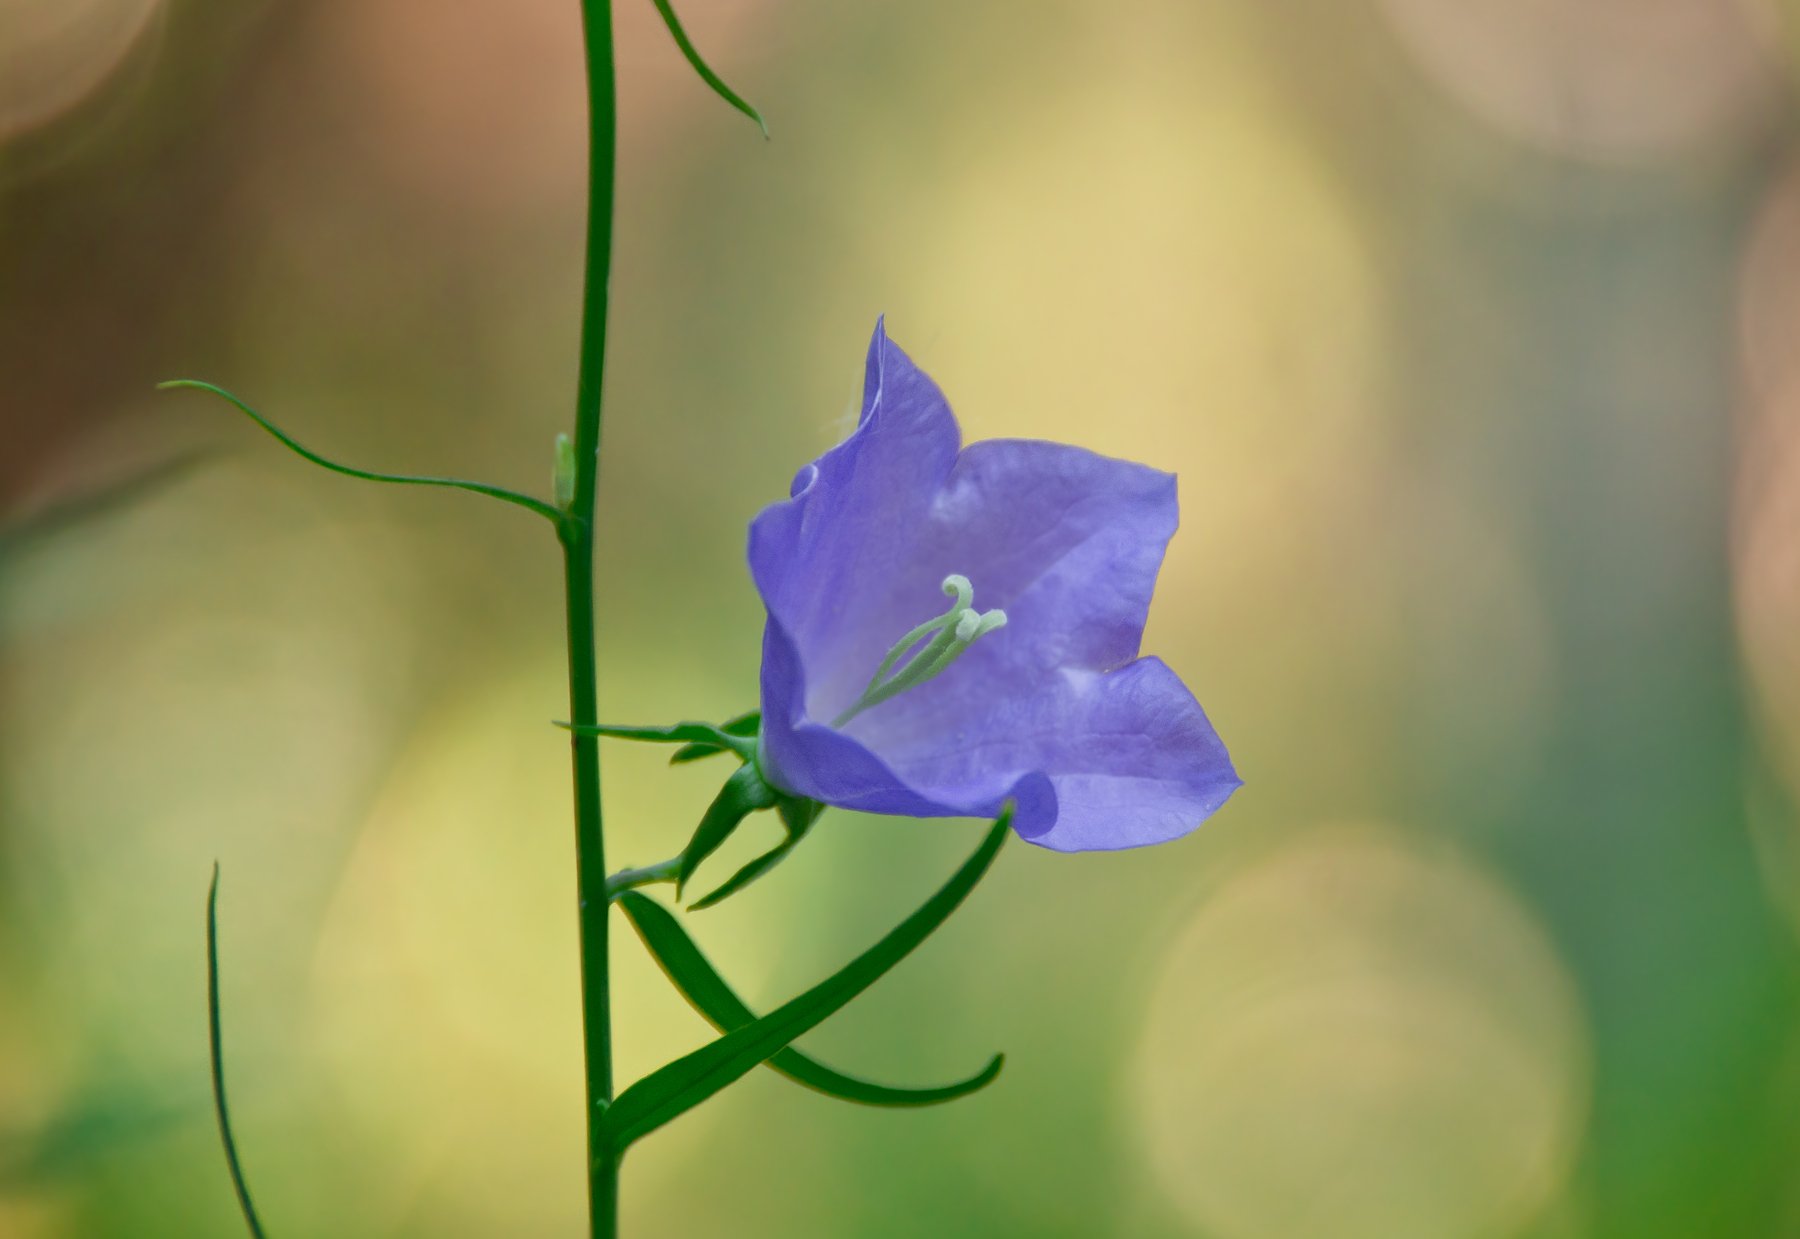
pixel 700 66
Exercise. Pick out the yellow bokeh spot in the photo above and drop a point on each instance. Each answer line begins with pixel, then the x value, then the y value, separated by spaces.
pixel 54 53
pixel 1359 1037
pixel 1174 278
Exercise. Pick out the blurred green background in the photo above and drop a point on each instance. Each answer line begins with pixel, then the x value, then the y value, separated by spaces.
pixel 1471 327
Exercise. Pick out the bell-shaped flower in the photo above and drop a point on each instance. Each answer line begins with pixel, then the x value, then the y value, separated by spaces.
pixel 879 696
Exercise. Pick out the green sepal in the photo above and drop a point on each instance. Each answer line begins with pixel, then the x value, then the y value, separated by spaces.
pixel 797 813
pixel 797 816
pixel 746 875
pixel 706 991
pixel 717 739
pixel 743 794
pixel 673 1089
pixel 747 724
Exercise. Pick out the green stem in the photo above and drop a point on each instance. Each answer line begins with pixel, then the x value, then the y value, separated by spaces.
pixel 576 530
pixel 630 879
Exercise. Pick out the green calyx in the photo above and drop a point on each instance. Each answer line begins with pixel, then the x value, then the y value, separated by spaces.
pixel 909 664
pixel 746 792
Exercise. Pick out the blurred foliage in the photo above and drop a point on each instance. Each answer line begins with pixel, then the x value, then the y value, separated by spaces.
pixel 1467 327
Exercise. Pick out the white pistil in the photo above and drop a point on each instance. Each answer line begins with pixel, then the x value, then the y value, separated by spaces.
pixel 950 634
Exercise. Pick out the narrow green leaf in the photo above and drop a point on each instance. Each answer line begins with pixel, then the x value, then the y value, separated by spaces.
pixel 700 66
pixel 699 982
pixel 717 739
pixel 743 794
pixel 691 1079
pixel 217 1039
pixel 400 479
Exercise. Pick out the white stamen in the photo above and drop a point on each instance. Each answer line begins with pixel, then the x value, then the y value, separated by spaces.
pixel 950 634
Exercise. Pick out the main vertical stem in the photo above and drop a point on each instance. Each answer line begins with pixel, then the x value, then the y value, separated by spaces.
pixel 577 533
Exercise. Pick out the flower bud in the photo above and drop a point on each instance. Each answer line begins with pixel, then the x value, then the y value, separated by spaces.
pixel 562 477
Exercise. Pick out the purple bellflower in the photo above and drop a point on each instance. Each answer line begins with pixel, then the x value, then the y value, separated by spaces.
pixel 878 697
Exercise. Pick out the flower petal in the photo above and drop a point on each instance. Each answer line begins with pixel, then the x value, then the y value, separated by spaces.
pixel 822 559
pixel 1130 754
pixel 1132 757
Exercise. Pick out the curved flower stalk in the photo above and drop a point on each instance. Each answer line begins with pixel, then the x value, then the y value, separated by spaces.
pixel 871 703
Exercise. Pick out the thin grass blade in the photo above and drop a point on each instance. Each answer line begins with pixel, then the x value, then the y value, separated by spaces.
pixel 218 1061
